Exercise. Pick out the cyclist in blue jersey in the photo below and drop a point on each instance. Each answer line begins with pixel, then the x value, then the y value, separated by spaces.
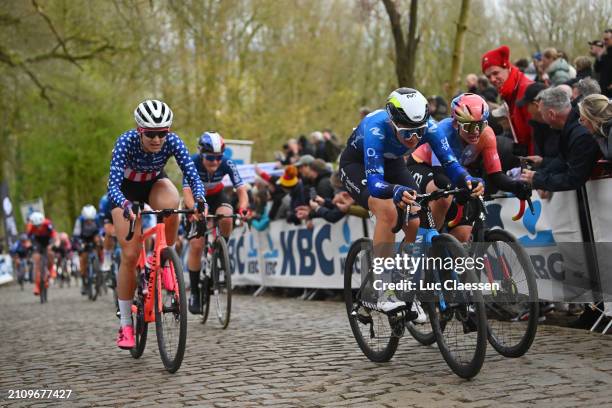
pixel 137 174
pixel 86 231
pixel 374 171
pixel 212 167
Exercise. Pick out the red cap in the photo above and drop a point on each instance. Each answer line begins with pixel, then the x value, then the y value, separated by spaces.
pixel 498 57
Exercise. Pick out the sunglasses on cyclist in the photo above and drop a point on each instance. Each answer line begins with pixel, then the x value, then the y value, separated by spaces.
pixel 153 133
pixel 473 127
pixel 409 133
pixel 213 157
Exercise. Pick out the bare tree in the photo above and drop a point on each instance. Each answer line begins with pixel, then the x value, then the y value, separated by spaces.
pixel 458 50
pixel 405 45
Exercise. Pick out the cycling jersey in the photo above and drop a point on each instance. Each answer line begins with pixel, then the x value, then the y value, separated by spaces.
pixel 468 154
pixel 20 250
pixel 85 229
pixel 375 139
pixel 212 182
pixel 131 162
pixel 104 208
pixel 43 231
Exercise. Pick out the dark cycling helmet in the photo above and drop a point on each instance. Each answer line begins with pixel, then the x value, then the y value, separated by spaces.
pixel 153 114
pixel 211 143
pixel 407 108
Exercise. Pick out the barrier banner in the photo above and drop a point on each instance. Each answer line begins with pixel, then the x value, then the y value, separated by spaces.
pixel 243 247
pixel 599 194
pixel 10 226
pixel 6 269
pixel 295 256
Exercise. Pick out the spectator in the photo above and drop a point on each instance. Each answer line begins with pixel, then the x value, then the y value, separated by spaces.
pixel 364 111
pixel 471 83
pixel 290 152
pixel 437 107
pixel 333 146
pixel 583 88
pixel 302 165
pixel 556 68
pixel 503 138
pixel 318 145
pixel 485 90
pixel 584 67
pixel 304 146
pixel 577 149
pixel 332 210
pixel 511 84
pixel 545 138
pixel 292 185
pixel 603 63
pixel 596 116
pixel 534 69
pixel 522 64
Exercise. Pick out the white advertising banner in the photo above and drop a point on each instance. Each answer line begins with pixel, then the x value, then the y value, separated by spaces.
pixel 599 194
pixel 6 269
pixel 28 207
pixel 243 247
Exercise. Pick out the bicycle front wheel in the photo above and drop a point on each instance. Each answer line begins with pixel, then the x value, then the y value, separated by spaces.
pixel 513 309
pixel 457 315
pixel 170 310
pixel 221 281
pixel 140 325
pixel 371 329
pixel 96 278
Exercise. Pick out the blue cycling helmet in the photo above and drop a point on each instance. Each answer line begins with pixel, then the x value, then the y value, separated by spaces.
pixel 211 143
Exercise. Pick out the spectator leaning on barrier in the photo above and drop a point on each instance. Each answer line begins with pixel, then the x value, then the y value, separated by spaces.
pixel 545 138
pixel 292 185
pixel 577 150
pixel 333 146
pixel 603 63
pixel 596 116
pixel 511 84
pixel 302 165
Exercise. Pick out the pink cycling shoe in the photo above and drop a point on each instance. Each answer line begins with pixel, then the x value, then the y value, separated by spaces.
pixel 125 338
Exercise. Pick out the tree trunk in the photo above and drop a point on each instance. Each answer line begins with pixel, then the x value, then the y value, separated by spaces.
pixel 405 48
pixel 458 50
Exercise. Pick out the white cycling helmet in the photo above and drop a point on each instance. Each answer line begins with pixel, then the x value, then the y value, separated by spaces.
pixel 36 218
pixel 407 108
pixel 153 114
pixel 89 212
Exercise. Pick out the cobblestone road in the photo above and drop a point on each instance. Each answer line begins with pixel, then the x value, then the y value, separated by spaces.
pixel 276 352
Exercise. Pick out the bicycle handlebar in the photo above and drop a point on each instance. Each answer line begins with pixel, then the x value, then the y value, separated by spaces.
pixel 160 213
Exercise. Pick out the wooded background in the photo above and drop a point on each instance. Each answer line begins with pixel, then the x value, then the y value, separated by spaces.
pixel 72 71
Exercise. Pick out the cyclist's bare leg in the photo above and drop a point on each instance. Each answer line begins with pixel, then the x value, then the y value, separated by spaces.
pixel 225 225
pixel 36 260
pixel 130 250
pixel 440 207
pixel 386 218
pixel 196 246
pixel 462 232
pixel 83 263
pixel 165 195
pixel 109 233
pixel 411 229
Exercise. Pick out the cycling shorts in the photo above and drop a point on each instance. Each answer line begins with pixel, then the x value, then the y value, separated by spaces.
pixel 139 191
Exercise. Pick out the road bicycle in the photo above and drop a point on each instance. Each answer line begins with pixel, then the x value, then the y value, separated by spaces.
pixel 94 281
pixel 160 296
pixel 457 317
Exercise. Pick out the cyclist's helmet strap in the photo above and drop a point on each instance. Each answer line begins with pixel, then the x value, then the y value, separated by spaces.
pixel 211 143
pixel 469 107
pixel 407 108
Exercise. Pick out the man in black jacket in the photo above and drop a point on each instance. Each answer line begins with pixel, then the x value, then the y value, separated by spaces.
pixel 578 151
pixel 603 64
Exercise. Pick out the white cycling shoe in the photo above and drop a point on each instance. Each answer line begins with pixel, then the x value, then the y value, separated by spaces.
pixel 421 315
pixel 389 302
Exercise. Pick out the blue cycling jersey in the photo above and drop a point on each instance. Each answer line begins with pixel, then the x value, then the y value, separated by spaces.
pixel 375 137
pixel 212 182
pixel 131 162
pixel 105 207
pixel 86 229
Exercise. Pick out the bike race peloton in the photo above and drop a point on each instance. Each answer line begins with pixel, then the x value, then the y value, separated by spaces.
pixel 374 172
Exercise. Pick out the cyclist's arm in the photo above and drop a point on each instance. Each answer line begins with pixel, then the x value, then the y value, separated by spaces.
pixel 241 190
pixel 188 197
pixel 243 197
pixel 117 169
pixel 183 159
pixel 375 164
pixel 441 148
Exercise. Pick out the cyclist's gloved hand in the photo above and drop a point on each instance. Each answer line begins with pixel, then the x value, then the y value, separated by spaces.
pixel 522 190
pixel 475 184
pixel 201 207
pixel 244 212
pixel 128 214
pixel 398 194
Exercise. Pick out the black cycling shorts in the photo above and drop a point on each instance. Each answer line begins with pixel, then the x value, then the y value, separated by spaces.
pixel 423 174
pixel 217 200
pixel 139 191
pixel 352 175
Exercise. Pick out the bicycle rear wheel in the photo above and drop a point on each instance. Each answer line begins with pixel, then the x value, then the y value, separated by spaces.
pixel 221 281
pixel 457 316
pixel 42 283
pixel 507 264
pixel 371 329
pixel 171 318
pixel 96 278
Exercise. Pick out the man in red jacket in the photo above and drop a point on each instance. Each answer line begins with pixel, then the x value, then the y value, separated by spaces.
pixel 511 84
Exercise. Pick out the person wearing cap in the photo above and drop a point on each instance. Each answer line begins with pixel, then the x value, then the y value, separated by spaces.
pixel 292 185
pixel 511 84
pixel 303 163
pixel 578 150
pixel 545 138
pixel 603 63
